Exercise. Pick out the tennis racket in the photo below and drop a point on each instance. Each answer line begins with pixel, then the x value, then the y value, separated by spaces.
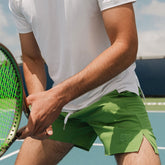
pixel 12 100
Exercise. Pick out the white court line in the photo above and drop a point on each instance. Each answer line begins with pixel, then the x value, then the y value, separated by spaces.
pixel 154 103
pixel 98 144
pixel 4 110
pixel 9 155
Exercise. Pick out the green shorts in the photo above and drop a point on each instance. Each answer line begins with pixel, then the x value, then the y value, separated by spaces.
pixel 118 119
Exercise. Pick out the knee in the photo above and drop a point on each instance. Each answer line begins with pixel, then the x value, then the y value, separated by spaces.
pixel 56 150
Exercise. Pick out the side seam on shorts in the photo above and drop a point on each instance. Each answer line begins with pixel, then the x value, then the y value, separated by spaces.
pixel 151 139
pixel 134 144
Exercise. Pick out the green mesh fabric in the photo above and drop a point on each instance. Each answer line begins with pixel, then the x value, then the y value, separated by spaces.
pixel 10 98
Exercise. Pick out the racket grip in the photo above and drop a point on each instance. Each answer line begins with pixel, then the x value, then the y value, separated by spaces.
pixel 19 132
pixel 25 107
pixel 26 110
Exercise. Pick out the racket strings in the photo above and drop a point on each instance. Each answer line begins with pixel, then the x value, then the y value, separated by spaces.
pixel 10 101
pixel 8 88
pixel 8 81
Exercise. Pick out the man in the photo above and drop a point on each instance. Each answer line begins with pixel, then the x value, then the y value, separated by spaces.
pixel 90 47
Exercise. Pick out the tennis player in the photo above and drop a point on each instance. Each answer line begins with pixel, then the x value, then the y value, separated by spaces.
pixel 90 48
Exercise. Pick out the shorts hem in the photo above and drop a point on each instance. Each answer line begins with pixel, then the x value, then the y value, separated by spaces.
pixel 138 141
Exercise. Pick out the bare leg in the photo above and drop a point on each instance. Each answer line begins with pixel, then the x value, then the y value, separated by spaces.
pixel 145 156
pixel 38 152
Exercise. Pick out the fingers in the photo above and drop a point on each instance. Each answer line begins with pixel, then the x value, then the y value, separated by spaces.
pixel 28 101
pixel 49 131
pixel 25 132
pixel 34 131
pixel 44 135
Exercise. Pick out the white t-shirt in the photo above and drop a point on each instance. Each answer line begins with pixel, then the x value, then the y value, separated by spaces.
pixel 70 34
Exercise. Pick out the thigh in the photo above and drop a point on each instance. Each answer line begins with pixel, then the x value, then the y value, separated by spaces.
pixel 43 152
pixel 145 156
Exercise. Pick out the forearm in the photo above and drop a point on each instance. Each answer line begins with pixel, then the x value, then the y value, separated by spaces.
pixel 121 29
pixel 34 73
pixel 33 64
pixel 107 65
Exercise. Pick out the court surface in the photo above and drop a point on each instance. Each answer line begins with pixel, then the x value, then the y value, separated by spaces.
pixel 156 112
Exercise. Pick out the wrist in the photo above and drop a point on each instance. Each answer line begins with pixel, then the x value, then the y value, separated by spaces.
pixel 61 94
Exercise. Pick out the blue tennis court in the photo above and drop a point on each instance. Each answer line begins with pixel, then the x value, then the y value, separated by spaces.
pixel 96 154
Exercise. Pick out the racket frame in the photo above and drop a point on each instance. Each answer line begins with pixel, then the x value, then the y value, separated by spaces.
pixel 18 113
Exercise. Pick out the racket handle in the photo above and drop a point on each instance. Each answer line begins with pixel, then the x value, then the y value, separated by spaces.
pixel 19 132
pixel 25 107
pixel 26 110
